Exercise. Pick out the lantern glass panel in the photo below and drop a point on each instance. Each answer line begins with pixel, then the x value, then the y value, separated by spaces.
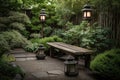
pixel 42 18
pixel 84 14
pixel 88 14
pixel 70 68
pixel 41 52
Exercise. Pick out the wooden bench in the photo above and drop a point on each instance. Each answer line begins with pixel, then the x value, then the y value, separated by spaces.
pixel 72 50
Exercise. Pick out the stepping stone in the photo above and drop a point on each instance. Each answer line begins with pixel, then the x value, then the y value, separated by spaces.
pixel 30 54
pixel 20 55
pixel 40 74
pixel 55 72
pixel 20 59
pixel 31 58
pixel 18 51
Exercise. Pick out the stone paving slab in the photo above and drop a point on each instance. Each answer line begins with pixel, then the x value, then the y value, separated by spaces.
pixel 51 69
pixel 25 59
pixel 19 55
pixel 55 72
pixel 40 74
pixel 48 69
pixel 20 59
pixel 19 50
pixel 31 58
pixel 30 54
pixel 23 56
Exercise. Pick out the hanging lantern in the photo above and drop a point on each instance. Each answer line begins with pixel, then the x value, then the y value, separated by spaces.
pixel 71 67
pixel 87 12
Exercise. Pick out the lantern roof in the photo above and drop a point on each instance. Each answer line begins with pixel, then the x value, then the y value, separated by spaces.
pixel 87 7
pixel 69 58
pixel 42 12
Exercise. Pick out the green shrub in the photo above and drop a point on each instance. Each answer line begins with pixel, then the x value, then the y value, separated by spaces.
pixel 3 27
pixel 9 71
pixel 17 26
pixel 47 39
pixel 58 32
pixel 19 17
pixel 35 35
pixel 47 31
pixel 91 37
pixel 4 20
pixel 107 64
pixel 15 39
pixel 4 47
pixel 36 42
pixel 31 47
pixel 8 58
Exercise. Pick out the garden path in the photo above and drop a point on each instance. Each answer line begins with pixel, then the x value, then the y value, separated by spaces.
pixel 48 69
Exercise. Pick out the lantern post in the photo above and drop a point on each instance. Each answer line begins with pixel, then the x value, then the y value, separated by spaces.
pixel 42 18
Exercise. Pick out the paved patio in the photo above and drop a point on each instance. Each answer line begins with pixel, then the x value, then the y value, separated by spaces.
pixel 48 69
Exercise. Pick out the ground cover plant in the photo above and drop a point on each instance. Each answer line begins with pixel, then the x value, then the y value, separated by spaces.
pixel 7 70
pixel 36 42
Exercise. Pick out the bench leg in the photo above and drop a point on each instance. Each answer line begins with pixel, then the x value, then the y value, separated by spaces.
pixel 51 51
pixel 87 61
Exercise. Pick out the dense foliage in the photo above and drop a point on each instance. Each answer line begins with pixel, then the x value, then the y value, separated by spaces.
pixel 15 21
pixel 36 43
pixel 10 40
pixel 4 45
pixel 107 64
pixel 89 36
pixel 11 26
pixel 8 71
pixel 15 39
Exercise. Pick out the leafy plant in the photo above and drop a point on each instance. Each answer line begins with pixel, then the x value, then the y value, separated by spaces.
pixel 8 58
pixel 107 64
pixel 15 39
pixel 4 45
pixel 9 71
pixel 4 20
pixel 35 35
pixel 17 26
pixel 31 47
pixel 15 21
pixel 19 17
pixel 91 37
pixel 58 32
pixel 36 42
pixel 47 31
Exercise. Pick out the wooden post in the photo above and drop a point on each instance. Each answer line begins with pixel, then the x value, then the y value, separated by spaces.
pixel 87 60
pixel 51 52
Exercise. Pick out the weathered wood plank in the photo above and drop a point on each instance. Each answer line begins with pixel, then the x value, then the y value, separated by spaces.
pixel 70 48
pixel 61 47
pixel 78 49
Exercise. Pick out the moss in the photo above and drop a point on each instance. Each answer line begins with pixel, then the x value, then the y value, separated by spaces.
pixel 8 58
